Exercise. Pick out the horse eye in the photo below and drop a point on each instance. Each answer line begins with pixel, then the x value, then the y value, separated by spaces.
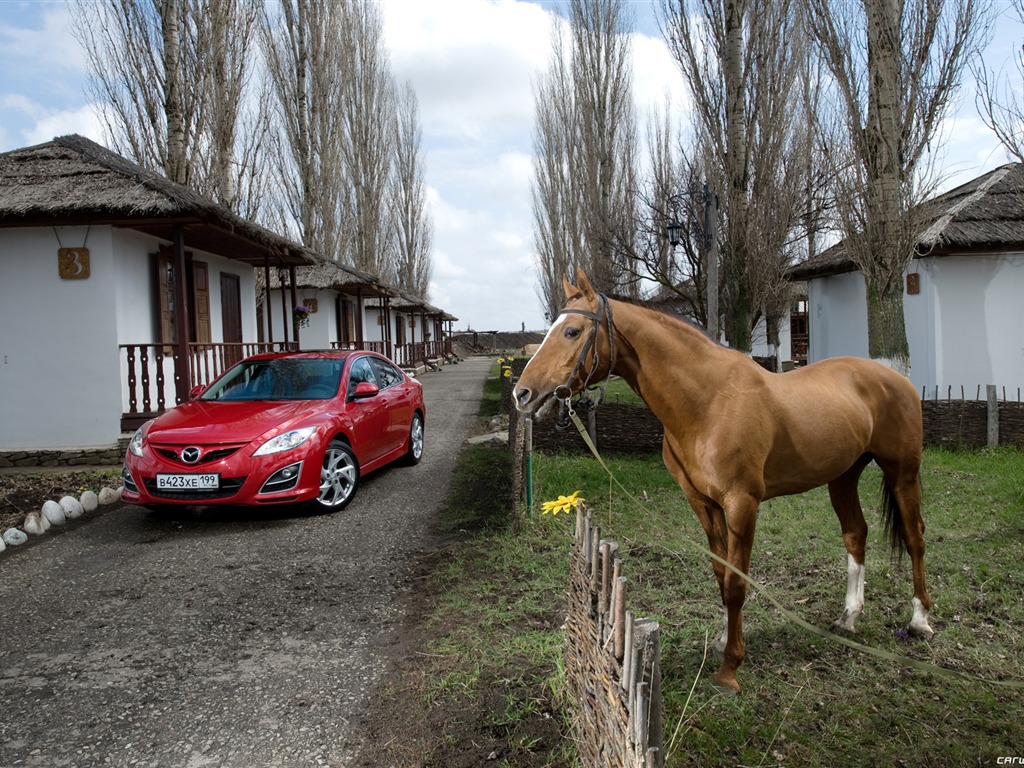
pixel 572 333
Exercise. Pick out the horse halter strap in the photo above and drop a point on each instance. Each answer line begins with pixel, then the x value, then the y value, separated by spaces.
pixel 604 312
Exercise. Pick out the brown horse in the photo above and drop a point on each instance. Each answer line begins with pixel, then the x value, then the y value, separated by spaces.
pixel 737 434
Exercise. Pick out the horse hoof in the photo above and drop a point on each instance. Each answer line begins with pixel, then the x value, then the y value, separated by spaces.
pixel 843 627
pixel 923 631
pixel 726 684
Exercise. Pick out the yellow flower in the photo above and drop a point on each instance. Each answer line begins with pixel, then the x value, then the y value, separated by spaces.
pixel 508 372
pixel 562 504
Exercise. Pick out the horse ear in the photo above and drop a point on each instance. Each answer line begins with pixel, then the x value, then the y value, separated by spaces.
pixel 584 284
pixel 571 291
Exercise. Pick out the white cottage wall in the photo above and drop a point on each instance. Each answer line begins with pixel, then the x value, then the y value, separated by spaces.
pixel 58 356
pixel 322 330
pixel 964 328
pixel 978 328
pixel 837 317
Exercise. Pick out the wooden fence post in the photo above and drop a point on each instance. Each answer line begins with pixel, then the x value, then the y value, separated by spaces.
pixel 993 415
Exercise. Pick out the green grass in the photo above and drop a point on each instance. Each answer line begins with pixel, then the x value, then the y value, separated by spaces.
pixel 806 700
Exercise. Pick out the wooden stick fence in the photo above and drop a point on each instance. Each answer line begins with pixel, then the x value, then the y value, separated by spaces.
pixel 613 660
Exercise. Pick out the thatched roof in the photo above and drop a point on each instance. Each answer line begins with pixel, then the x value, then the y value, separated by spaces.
pixel 74 181
pixel 331 275
pixel 327 274
pixel 409 303
pixel 985 214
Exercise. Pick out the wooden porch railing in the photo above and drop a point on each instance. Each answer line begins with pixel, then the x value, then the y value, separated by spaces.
pixel 148 374
pixel 208 361
pixel 380 347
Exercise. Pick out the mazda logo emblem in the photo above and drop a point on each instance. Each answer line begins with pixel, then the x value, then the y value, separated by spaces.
pixel 190 455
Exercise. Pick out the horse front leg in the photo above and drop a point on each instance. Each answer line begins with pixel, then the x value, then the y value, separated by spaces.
pixel 740 519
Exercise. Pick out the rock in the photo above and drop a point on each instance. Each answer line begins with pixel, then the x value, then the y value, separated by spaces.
pixel 14 537
pixel 71 506
pixel 89 501
pixel 3 545
pixel 36 524
pixel 108 496
pixel 54 512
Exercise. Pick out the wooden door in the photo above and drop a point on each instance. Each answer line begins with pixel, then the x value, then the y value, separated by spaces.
pixel 231 317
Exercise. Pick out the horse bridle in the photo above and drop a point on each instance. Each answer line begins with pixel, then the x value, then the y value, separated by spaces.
pixel 563 392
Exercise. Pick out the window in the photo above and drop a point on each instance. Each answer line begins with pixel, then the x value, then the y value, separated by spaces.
pixel 387 374
pixel 361 371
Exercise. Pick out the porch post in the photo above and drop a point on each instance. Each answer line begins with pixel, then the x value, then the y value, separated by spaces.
pixel 182 362
pixel 360 311
pixel 284 307
pixel 295 303
pixel 268 316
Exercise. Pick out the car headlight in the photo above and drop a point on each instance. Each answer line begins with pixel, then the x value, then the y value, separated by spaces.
pixel 285 441
pixel 135 446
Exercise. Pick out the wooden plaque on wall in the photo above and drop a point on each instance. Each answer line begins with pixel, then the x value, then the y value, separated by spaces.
pixel 73 263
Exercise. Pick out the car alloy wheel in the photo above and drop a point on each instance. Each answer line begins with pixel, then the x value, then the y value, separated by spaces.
pixel 339 476
pixel 415 452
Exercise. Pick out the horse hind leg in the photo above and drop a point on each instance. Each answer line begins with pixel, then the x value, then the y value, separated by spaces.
pixel 901 509
pixel 846 503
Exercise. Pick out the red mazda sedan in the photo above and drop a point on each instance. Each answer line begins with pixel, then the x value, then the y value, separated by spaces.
pixel 285 428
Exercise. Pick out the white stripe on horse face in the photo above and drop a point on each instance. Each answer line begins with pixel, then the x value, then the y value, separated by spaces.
pixel 558 321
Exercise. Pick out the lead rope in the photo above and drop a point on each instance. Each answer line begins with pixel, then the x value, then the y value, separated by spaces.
pixel 770 597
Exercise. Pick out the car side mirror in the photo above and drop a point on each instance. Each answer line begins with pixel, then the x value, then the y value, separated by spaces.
pixel 196 391
pixel 365 389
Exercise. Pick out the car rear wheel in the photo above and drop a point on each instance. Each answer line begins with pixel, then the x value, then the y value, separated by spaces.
pixel 339 477
pixel 415 452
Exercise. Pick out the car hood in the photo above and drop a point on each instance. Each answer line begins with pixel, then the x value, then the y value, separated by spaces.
pixel 200 421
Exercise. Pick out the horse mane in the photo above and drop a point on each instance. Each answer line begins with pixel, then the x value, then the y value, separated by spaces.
pixel 659 309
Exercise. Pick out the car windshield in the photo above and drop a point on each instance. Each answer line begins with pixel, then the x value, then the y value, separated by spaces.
pixel 280 379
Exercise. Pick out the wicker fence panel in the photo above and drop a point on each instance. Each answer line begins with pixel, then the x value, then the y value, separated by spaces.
pixel 612 660
pixel 622 428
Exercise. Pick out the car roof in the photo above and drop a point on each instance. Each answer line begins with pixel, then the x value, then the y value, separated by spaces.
pixel 328 354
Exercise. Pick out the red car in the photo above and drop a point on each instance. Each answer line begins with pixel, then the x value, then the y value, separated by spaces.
pixel 284 428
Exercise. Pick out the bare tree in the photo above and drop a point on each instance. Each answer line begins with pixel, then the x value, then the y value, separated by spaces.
pixel 413 225
pixel 999 99
pixel 584 165
pixel 891 96
pixel 740 60
pixel 307 62
pixel 172 75
pixel 368 100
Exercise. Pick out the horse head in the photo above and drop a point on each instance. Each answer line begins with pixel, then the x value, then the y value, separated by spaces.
pixel 574 353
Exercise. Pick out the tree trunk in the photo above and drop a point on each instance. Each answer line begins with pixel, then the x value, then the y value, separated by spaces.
pixel 887 331
pixel 176 165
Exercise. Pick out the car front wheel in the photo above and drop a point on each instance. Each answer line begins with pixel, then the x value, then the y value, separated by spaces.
pixel 339 477
pixel 415 452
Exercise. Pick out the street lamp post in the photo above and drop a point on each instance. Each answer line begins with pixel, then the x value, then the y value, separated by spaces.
pixel 674 229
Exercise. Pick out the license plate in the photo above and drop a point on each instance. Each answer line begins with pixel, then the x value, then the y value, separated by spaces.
pixel 195 482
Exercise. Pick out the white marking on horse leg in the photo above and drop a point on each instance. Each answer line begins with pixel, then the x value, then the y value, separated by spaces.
pixel 720 645
pixel 854 596
pixel 919 623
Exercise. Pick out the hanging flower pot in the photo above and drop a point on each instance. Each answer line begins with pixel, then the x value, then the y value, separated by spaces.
pixel 301 314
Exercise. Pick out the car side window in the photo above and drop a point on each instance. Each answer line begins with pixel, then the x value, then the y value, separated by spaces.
pixel 387 374
pixel 361 371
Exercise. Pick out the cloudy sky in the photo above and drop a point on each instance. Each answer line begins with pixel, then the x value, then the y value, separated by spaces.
pixel 473 64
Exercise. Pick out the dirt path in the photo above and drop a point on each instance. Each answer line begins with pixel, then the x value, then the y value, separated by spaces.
pixel 221 638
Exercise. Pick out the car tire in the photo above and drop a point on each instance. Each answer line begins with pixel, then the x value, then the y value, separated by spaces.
pixel 339 477
pixel 415 452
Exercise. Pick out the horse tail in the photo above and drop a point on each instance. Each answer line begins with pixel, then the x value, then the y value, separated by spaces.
pixel 892 519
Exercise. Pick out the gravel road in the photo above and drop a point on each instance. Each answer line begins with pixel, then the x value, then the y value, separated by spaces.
pixel 221 638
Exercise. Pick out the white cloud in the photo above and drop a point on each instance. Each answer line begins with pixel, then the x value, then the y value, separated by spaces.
pixel 473 64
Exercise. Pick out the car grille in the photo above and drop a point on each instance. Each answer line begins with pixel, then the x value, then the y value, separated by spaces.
pixel 229 486
pixel 208 456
